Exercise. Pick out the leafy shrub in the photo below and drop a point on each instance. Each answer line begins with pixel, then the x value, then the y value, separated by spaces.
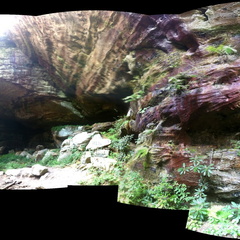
pixel 122 147
pixel 236 144
pixel 197 166
pixel 199 209
pixel 132 189
pixel 168 194
pixel 104 177
pixel 199 206
pixel 115 132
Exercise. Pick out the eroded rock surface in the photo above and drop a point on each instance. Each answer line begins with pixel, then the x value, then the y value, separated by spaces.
pixel 72 67
pixel 180 74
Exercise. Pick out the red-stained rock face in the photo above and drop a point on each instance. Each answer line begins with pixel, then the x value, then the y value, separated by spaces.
pixel 216 97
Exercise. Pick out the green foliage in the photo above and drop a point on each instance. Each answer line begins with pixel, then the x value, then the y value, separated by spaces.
pixel 225 221
pixel 199 212
pixel 144 110
pixel 12 161
pixel 122 146
pixel 133 189
pixel 233 212
pixel 178 83
pixel 75 156
pixel 224 229
pixel 142 152
pixel 221 50
pixel 168 194
pixel 199 209
pixel 197 166
pixel 107 177
pixel 199 206
pixel 135 96
pixel 236 144
pixel 52 160
pixel 114 132
pixel 49 161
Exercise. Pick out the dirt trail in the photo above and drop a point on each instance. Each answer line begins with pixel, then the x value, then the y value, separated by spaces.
pixel 56 177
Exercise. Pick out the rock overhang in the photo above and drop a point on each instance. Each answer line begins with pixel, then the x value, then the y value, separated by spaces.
pixel 74 67
pixel 69 67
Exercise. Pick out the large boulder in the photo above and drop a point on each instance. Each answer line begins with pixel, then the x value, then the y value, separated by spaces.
pixel 60 133
pixel 82 139
pixel 103 163
pixel 98 142
pixel 39 170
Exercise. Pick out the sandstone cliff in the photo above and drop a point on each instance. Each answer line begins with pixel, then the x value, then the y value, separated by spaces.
pixel 76 67
pixel 175 79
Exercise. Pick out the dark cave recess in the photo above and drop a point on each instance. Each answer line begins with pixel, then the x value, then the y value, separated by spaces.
pixel 217 128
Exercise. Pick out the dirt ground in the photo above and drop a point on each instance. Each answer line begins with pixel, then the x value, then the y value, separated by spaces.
pixel 56 177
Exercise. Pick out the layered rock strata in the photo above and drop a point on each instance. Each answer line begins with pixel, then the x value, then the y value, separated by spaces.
pixel 180 74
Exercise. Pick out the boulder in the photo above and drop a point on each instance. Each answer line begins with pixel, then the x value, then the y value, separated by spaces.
pixel 38 155
pixel 101 153
pixel 25 154
pixel 66 142
pixel 59 135
pixel 98 142
pixel 102 127
pixel 50 153
pixel 81 140
pixel 39 170
pixel 39 147
pixel 89 155
pixel 86 157
pixel 65 152
pixel 103 163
